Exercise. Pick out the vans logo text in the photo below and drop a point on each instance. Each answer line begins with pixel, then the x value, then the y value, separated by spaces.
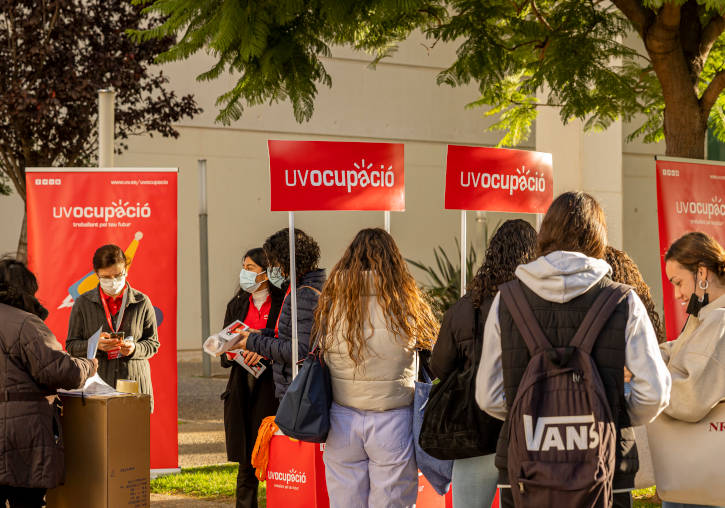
pixel 561 433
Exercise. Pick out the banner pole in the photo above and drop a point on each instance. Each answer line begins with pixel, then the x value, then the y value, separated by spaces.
pixel 204 266
pixel 464 243
pixel 386 214
pixel 293 291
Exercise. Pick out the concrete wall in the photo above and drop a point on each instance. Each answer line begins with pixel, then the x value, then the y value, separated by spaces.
pixel 399 101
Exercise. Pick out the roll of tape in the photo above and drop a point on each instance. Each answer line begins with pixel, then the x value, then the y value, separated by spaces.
pixel 127 386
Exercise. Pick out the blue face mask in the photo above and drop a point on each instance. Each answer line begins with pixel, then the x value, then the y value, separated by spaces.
pixel 248 281
pixel 274 274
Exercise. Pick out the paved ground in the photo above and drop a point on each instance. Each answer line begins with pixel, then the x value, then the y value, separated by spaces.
pixel 201 414
pixel 201 425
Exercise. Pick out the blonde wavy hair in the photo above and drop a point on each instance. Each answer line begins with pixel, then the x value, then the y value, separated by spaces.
pixel 373 259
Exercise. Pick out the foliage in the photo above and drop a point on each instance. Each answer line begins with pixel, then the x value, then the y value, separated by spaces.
pixel 54 57
pixel 207 482
pixel 522 54
pixel 444 287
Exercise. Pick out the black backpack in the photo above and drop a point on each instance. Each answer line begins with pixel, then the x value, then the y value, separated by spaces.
pixel 562 436
pixel 453 425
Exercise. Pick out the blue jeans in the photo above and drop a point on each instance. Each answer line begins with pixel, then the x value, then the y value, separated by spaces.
pixel 474 482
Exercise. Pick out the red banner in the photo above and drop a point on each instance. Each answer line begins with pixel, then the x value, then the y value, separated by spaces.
pixel 73 212
pixel 690 197
pixel 498 180
pixel 333 175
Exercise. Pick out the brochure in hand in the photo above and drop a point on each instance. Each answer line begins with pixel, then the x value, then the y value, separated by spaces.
pixel 225 340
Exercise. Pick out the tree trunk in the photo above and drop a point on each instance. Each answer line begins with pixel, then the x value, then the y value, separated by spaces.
pixel 22 254
pixel 685 132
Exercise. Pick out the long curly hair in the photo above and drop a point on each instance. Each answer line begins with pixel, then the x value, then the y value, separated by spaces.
pixel 373 265
pixel 18 286
pixel 625 271
pixel 513 244
pixel 307 252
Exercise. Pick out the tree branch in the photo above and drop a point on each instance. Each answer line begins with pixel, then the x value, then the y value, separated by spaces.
pixel 541 18
pixel 640 16
pixel 711 93
pixel 710 34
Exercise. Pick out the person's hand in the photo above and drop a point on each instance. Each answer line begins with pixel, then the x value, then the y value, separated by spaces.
pixel 95 367
pixel 127 347
pixel 627 375
pixel 106 344
pixel 251 358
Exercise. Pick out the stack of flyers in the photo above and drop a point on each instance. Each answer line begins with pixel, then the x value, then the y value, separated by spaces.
pixel 255 370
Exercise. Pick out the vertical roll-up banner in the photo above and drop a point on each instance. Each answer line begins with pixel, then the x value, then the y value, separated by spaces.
pixel 690 197
pixel 73 211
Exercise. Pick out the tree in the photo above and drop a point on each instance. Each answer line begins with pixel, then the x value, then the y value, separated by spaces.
pixel 574 52
pixel 54 57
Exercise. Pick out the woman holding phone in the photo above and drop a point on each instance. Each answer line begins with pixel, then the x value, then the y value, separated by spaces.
pixel 129 334
pixel 247 399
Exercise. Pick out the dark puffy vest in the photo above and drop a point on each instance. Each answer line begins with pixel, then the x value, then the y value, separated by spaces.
pixel 560 321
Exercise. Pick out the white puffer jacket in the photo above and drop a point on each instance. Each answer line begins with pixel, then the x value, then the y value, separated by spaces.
pixel 385 378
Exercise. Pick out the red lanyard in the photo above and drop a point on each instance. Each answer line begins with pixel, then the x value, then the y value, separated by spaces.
pixel 276 327
pixel 121 311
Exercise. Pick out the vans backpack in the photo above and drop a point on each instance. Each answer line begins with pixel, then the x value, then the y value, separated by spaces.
pixel 562 436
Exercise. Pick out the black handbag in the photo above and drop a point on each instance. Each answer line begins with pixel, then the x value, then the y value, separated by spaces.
pixel 454 427
pixel 304 412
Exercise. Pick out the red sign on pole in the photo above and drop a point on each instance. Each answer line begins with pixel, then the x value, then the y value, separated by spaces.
pixel 73 212
pixel 498 180
pixel 333 175
pixel 690 197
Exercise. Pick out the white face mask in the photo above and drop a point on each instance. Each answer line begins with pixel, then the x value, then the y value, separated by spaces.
pixel 113 286
pixel 248 281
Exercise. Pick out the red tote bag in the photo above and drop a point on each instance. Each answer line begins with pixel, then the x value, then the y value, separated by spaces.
pixel 296 474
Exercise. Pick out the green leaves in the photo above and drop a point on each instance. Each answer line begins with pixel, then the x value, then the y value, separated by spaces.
pixel 444 287
pixel 523 55
pixel 277 47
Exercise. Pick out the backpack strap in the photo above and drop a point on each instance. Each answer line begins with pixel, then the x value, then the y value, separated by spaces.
pixel 515 300
pixel 313 289
pixel 598 315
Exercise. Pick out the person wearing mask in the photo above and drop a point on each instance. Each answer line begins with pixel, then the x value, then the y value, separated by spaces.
pixel 118 309
pixel 276 343
pixel 247 400
pixel 695 265
pixel 34 366
pixel 371 319
pixel 514 243
pixel 560 286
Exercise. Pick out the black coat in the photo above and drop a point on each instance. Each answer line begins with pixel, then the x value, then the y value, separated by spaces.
pixel 454 351
pixel 280 349
pixel 247 400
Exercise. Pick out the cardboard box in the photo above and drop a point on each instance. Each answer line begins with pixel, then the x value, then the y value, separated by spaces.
pixel 107 452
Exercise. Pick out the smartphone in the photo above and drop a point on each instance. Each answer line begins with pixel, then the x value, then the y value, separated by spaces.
pixel 117 335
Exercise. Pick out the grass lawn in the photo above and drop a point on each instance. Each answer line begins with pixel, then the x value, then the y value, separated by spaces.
pixel 219 482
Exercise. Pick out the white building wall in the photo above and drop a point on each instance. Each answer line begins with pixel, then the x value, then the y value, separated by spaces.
pixel 399 101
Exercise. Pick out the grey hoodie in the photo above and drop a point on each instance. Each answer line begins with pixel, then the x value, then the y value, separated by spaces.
pixel 560 277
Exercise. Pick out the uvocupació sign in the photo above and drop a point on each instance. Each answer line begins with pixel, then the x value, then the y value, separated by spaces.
pixel 72 212
pixel 690 197
pixel 498 179
pixel 334 175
